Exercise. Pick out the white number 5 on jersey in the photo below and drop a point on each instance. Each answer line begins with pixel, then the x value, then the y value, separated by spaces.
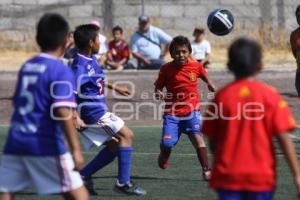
pixel 25 93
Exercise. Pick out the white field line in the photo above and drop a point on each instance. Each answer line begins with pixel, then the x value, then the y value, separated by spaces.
pixel 156 154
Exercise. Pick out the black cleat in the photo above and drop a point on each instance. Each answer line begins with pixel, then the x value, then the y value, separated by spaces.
pixel 89 184
pixel 130 189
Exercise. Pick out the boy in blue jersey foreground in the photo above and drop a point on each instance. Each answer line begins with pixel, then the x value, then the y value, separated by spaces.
pixel 102 127
pixel 35 154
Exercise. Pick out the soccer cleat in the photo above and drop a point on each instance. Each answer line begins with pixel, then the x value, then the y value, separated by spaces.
pixel 162 162
pixel 130 189
pixel 89 185
pixel 206 174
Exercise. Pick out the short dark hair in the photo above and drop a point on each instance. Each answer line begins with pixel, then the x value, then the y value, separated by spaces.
pixel 297 9
pixel 117 28
pixel 178 41
pixel 84 33
pixel 52 29
pixel 244 56
pixel 198 30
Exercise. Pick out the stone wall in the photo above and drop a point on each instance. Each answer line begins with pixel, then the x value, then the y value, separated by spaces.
pixel 269 20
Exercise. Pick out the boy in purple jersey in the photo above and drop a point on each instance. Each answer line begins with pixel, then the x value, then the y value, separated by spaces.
pixel 35 154
pixel 102 127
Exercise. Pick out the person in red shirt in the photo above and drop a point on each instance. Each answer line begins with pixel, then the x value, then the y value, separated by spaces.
pixel 182 109
pixel 240 123
pixel 118 51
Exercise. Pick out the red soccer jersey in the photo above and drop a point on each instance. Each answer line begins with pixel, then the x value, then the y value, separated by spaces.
pixel 118 50
pixel 241 122
pixel 182 87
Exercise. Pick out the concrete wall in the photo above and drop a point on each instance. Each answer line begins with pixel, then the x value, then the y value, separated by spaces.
pixel 270 20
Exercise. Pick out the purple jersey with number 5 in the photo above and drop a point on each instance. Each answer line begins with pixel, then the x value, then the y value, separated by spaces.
pixel 90 88
pixel 44 84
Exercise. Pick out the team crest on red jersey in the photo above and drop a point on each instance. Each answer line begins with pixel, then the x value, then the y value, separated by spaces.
pixel 193 76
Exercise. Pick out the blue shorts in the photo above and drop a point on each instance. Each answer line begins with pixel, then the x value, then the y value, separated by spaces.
pixel 244 195
pixel 173 127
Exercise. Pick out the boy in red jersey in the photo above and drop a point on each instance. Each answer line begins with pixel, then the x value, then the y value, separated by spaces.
pixel 118 53
pixel 240 123
pixel 182 110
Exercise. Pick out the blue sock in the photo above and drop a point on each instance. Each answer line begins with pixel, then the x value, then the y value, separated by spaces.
pixel 104 157
pixel 124 164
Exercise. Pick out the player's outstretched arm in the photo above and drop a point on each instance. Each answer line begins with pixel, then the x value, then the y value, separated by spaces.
pixel 67 125
pixel 122 90
pixel 211 87
pixel 289 151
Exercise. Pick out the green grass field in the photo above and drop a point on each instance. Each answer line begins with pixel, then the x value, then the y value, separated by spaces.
pixel 182 180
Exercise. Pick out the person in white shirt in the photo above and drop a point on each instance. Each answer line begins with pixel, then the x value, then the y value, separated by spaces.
pixel 101 55
pixel 201 48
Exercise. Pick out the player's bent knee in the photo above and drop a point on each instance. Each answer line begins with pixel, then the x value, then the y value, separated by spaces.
pixel 167 144
pixel 126 134
pixel 129 134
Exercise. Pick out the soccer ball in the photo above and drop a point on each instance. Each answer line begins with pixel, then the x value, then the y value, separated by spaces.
pixel 220 22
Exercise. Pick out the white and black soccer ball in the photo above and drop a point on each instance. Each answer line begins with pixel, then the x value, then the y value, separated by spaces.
pixel 220 22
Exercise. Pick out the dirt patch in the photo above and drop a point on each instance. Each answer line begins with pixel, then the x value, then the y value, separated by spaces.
pixel 13 60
